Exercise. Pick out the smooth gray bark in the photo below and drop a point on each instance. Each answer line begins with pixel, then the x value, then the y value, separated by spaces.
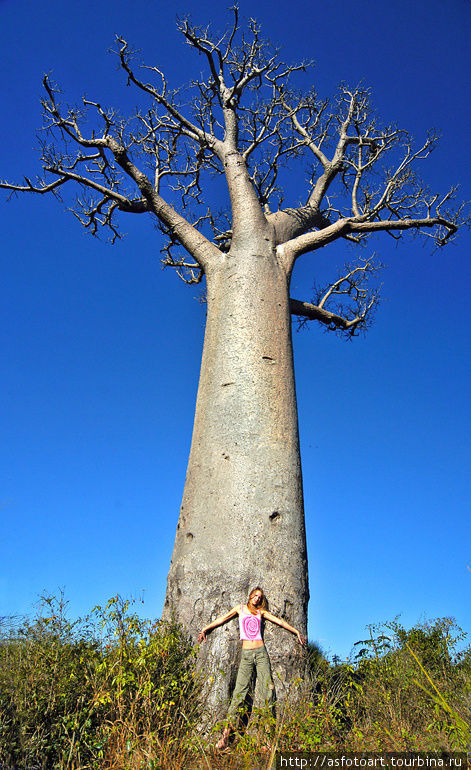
pixel 242 520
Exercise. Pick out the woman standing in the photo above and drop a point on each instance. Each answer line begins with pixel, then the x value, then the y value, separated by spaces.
pixel 254 653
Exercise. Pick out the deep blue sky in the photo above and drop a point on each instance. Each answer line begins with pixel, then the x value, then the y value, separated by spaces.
pixel 100 349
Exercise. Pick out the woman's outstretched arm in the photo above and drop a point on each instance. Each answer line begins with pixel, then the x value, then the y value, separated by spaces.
pixel 218 622
pixel 284 624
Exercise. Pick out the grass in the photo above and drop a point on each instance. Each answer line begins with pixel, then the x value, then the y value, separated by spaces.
pixel 118 691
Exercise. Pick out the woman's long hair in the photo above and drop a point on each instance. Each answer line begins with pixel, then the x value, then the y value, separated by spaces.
pixel 263 604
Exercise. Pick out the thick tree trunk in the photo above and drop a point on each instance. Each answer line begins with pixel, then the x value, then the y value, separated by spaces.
pixel 242 518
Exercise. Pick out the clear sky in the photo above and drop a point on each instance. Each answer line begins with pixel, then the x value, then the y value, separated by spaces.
pixel 100 348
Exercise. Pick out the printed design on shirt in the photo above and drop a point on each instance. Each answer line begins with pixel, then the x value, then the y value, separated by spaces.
pixel 251 626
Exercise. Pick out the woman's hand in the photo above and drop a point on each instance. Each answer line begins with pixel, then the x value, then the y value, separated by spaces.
pixel 301 638
pixel 202 636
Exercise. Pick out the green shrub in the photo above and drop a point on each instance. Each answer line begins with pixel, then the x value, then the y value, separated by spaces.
pixel 395 667
pixel 79 694
pixel 46 686
pixel 118 691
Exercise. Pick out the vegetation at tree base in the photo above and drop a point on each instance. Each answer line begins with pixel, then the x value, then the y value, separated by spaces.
pixel 91 693
pixel 118 691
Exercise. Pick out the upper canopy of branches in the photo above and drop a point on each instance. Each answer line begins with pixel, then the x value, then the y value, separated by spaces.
pixel 248 122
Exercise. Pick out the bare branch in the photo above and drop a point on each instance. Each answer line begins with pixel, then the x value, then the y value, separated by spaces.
pixel 443 230
pixel 189 272
pixel 41 187
pixel 351 165
pixel 244 120
pixel 101 164
pixel 333 321
pixel 354 301
pixel 179 120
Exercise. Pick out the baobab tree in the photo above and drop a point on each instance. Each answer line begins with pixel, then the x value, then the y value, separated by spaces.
pixel 242 518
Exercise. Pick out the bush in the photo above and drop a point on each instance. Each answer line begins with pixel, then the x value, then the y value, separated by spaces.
pixel 81 694
pixel 405 690
pixel 118 691
pixel 414 688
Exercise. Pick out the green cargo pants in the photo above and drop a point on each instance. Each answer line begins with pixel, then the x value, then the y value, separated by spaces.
pixel 250 659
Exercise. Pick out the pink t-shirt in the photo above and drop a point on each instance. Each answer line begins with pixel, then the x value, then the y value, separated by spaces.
pixel 250 626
